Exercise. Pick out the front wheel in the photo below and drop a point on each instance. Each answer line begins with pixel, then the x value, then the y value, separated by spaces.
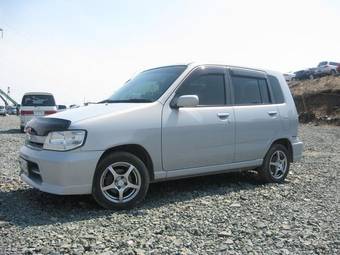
pixel 275 165
pixel 121 181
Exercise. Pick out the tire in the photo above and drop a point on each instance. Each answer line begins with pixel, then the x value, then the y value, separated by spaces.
pixel 333 72
pixel 22 129
pixel 270 173
pixel 112 174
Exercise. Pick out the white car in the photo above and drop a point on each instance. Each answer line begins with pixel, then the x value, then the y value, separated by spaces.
pixel 289 76
pixel 165 123
pixel 36 104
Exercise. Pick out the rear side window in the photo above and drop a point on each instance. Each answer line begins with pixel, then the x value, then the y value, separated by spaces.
pixel 209 88
pixel 276 89
pixel 333 63
pixel 250 90
pixel 38 100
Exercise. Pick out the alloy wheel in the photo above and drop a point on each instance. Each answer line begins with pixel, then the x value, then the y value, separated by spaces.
pixel 120 182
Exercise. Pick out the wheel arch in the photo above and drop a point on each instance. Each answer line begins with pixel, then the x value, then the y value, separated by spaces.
pixel 286 143
pixel 135 149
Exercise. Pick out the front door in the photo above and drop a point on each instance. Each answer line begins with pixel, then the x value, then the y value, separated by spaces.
pixel 203 135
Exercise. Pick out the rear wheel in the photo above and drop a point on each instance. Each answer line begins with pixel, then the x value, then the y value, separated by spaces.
pixel 275 165
pixel 121 181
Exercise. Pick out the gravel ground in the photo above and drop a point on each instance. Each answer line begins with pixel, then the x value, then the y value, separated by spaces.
pixel 229 213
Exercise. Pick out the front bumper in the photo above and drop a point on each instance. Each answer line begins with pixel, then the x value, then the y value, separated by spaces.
pixel 63 173
pixel 297 147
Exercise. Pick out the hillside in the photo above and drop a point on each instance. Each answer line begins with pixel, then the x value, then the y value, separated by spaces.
pixel 318 100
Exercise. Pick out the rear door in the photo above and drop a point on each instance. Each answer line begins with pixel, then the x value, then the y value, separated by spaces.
pixel 257 118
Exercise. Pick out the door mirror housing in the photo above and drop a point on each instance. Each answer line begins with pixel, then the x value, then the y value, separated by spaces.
pixel 185 101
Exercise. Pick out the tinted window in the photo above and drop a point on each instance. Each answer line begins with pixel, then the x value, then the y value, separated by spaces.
pixel 322 63
pixel 149 85
pixel 249 90
pixel 264 91
pixel 333 63
pixel 276 89
pixel 209 88
pixel 61 107
pixel 38 100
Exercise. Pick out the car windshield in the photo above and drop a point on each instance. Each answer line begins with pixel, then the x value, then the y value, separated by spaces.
pixel 147 86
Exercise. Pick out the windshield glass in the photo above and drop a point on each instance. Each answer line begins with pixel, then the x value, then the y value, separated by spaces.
pixel 147 86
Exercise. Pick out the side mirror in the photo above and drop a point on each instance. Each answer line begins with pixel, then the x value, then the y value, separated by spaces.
pixel 185 101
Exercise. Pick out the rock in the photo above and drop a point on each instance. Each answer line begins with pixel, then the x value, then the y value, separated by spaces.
pixel 130 242
pixel 139 251
pixel 235 205
pixel 261 225
pixel 228 241
pixel 226 233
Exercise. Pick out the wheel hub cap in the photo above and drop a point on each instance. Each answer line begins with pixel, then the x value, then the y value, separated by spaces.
pixel 120 183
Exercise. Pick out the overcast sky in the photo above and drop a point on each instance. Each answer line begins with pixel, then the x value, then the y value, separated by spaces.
pixel 83 50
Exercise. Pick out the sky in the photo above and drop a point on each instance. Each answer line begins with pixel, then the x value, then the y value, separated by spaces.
pixel 82 50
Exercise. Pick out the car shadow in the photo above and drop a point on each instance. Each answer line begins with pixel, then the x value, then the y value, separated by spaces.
pixel 10 131
pixel 29 207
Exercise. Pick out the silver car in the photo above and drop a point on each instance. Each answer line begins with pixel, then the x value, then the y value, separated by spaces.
pixel 326 68
pixel 165 123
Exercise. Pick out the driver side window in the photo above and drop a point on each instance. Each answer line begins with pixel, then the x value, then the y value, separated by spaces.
pixel 209 88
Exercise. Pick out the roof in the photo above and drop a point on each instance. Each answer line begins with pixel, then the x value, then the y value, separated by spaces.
pixel 38 93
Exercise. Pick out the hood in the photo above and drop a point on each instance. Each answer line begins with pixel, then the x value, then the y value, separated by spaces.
pixel 96 110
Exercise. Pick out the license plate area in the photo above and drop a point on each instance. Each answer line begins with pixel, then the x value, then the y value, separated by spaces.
pixel 38 113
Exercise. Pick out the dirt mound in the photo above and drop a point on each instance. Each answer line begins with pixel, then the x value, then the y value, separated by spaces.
pixel 318 99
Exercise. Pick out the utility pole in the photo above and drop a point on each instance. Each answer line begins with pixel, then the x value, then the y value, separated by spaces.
pixel 2 33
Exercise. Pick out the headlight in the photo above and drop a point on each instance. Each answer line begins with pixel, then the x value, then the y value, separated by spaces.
pixel 64 140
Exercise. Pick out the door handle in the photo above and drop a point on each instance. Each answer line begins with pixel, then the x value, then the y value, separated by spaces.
pixel 272 113
pixel 223 115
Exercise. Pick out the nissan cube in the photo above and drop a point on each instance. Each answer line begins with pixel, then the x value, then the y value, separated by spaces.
pixel 165 123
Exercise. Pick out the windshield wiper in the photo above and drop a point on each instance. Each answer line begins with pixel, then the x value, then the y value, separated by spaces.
pixel 131 100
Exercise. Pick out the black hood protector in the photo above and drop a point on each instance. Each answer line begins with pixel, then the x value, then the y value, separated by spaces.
pixel 42 126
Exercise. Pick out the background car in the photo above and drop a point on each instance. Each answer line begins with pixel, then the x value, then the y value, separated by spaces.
pixel 338 69
pixel 326 68
pixel 305 74
pixel 36 104
pixel 12 110
pixel 61 107
pixel 3 111
pixel 289 76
